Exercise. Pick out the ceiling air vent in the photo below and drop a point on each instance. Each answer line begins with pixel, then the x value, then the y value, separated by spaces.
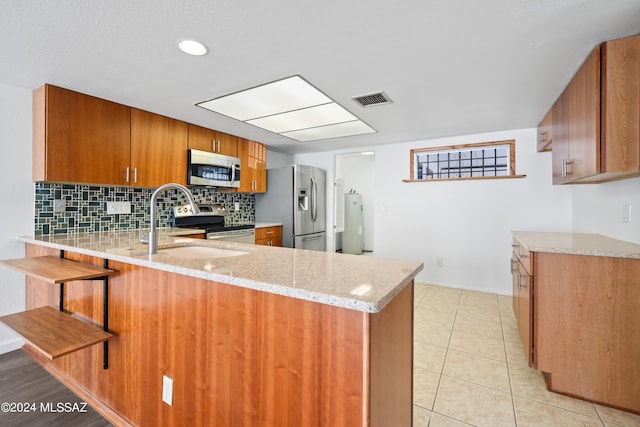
pixel 371 99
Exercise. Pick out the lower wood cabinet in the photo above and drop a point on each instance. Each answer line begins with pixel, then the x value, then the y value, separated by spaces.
pixel 269 236
pixel 578 320
pixel 237 356
pixel 522 303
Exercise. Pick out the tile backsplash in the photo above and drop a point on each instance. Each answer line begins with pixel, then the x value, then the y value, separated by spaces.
pixel 86 207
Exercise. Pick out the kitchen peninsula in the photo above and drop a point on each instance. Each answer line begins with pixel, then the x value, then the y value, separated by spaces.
pixel 267 336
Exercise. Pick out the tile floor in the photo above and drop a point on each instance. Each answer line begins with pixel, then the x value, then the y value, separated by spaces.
pixel 470 368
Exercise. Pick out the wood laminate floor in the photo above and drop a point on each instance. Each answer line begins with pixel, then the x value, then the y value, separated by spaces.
pixel 29 396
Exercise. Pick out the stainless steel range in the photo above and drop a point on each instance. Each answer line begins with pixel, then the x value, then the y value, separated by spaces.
pixel 211 219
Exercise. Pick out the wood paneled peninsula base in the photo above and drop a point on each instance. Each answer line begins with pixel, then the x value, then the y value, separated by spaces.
pixel 577 302
pixel 277 337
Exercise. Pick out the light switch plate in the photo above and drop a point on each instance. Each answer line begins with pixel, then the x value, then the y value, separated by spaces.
pixel 118 208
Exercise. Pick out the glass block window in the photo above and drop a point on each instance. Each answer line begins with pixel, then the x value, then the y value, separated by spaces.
pixel 469 161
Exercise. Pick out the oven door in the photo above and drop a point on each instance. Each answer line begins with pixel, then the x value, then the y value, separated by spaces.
pixel 239 236
pixel 211 169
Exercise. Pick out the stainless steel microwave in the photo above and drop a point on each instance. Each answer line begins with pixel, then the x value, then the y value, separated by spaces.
pixel 211 169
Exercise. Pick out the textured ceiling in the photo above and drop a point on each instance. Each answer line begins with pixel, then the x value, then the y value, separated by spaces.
pixel 452 67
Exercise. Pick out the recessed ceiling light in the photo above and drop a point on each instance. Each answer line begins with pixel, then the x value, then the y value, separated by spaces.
pixel 291 107
pixel 192 47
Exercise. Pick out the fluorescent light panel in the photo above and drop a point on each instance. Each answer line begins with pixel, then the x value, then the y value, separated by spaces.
pixel 291 107
pixel 306 118
pixel 331 131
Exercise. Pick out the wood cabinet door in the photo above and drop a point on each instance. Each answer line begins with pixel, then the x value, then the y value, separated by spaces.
pixel 560 152
pixel 515 285
pixel 253 166
pixel 202 139
pixel 545 137
pixel 227 144
pixel 158 149
pixel 79 138
pixel 576 125
pixel 212 141
pixel 260 175
pixel 621 105
pixel 584 120
pixel 525 324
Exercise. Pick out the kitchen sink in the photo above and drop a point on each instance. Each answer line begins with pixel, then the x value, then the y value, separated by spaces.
pixel 201 252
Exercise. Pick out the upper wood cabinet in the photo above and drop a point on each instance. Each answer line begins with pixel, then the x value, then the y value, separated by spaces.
pixel 253 166
pixel 82 139
pixel 158 150
pixel 545 132
pixel 79 138
pixel 213 141
pixel 596 120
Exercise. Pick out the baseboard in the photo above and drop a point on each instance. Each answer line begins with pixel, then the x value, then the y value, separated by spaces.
pixel 9 340
pixel 99 406
pixel 464 288
pixel 10 344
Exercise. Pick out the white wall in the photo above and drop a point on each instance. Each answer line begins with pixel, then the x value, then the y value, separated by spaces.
pixel 598 208
pixel 277 160
pixel 466 223
pixel 16 215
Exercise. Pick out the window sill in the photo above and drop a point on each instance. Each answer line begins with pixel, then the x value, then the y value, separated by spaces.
pixel 475 178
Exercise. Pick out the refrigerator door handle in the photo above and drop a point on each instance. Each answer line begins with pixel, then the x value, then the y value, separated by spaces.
pixel 306 239
pixel 314 204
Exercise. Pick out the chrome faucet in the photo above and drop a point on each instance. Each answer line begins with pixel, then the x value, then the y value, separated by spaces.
pixel 153 238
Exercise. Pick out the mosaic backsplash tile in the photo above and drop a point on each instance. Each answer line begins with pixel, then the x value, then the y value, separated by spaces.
pixel 86 207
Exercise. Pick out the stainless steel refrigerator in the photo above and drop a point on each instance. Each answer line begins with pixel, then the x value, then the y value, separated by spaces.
pixel 296 196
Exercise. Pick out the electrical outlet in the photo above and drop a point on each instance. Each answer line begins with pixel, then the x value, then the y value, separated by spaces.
pixel 167 390
pixel 236 206
pixel 438 261
pixel 118 208
pixel 59 205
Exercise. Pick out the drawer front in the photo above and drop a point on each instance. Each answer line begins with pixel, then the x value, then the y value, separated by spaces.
pixel 270 241
pixel 268 232
pixel 523 255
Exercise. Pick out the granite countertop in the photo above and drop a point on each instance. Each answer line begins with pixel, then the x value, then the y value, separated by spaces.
pixel 354 282
pixel 576 244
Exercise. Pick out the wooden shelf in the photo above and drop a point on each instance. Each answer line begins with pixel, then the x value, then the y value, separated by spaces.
pixel 52 332
pixel 56 270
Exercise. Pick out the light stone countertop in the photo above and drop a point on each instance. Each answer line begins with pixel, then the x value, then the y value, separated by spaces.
pixel 354 282
pixel 576 244
pixel 263 224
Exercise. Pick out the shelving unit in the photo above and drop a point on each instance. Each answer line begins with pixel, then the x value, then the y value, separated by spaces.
pixel 52 332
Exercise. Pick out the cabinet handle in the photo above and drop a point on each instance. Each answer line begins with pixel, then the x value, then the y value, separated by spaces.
pixel 511 265
pixel 565 169
pixel 135 175
pixel 213 145
pixel 218 146
pixel 519 280
pixel 126 175
pixel 269 232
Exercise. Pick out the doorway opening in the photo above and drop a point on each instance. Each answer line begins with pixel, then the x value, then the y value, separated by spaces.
pixel 354 175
